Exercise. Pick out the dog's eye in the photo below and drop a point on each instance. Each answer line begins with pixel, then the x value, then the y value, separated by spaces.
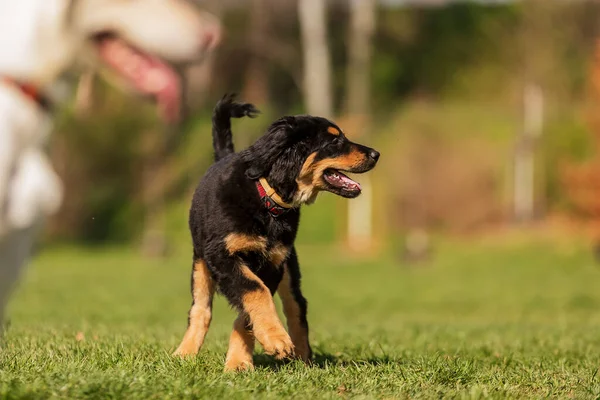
pixel 338 139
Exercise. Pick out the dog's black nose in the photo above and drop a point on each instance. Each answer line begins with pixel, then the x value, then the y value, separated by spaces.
pixel 374 154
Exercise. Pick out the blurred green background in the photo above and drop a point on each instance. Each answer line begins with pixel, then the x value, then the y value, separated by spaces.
pixel 445 106
pixel 468 267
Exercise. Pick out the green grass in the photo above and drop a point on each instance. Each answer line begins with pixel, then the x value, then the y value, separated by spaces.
pixel 502 321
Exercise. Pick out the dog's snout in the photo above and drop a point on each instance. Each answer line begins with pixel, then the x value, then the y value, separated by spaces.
pixel 374 155
pixel 211 34
pixel 211 39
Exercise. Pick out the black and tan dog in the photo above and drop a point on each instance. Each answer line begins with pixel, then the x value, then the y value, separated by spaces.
pixel 244 218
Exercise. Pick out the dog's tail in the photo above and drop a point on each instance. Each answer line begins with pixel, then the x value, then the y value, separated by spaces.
pixel 226 109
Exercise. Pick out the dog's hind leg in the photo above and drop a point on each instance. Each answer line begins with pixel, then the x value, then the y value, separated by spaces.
pixel 294 307
pixel 241 346
pixel 200 314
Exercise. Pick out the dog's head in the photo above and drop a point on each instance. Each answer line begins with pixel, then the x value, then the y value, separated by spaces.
pixel 140 42
pixel 303 155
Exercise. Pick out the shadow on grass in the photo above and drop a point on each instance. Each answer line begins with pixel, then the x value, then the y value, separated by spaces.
pixel 321 360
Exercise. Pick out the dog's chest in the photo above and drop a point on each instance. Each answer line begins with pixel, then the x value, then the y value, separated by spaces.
pixel 270 267
pixel 29 187
pixel 265 258
pixel 22 122
pixel 276 253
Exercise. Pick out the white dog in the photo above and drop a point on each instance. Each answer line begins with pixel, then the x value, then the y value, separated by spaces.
pixel 138 41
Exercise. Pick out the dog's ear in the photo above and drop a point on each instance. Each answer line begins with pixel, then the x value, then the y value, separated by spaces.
pixel 261 156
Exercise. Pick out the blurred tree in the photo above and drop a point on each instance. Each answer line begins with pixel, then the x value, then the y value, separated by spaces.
pixel 535 52
pixel 360 49
pixel 84 93
pixel 256 85
pixel 317 65
pixel 98 158
pixel 358 109
pixel 198 77
pixel 550 73
pixel 153 184
pixel 524 192
pixel 159 149
pixel 461 53
pixel 582 180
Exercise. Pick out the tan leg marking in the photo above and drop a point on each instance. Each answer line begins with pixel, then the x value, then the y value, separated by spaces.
pixel 278 254
pixel 267 327
pixel 241 347
pixel 242 243
pixel 200 313
pixel 291 309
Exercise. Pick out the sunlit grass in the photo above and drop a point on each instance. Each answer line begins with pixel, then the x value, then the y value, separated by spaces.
pixel 518 320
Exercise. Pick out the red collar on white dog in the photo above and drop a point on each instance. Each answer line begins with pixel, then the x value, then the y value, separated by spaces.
pixel 32 92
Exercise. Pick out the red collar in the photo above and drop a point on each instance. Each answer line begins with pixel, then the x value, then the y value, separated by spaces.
pixel 32 92
pixel 271 200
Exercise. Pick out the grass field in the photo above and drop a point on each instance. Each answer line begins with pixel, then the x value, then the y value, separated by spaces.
pixel 513 320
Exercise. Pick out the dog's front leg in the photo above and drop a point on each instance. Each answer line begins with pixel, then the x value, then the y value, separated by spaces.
pixel 254 300
pixel 257 303
pixel 295 306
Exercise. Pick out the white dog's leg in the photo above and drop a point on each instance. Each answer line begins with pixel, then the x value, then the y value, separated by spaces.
pixel 8 156
pixel 23 127
pixel 33 193
pixel 14 251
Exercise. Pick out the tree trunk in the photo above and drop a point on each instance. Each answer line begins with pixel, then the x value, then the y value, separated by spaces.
pixel 154 241
pixel 84 93
pixel 198 77
pixel 256 85
pixel 537 53
pixel 524 167
pixel 360 49
pixel 317 65
pixel 358 108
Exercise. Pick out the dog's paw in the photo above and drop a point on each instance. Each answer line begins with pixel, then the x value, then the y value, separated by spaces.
pixel 303 352
pixel 237 364
pixel 185 350
pixel 279 345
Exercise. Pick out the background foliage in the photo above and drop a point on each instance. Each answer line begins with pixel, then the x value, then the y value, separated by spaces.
pixel 446 93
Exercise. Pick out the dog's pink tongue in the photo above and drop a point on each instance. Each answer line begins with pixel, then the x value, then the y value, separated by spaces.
pixel 147 74
pixel 349 182
pixel 166 89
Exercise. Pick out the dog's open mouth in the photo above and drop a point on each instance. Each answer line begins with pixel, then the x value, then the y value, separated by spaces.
pixel 341 184
pixel 147 74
